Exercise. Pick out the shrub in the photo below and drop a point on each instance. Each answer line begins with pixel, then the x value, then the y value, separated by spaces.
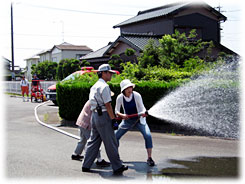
pixel 71 98
pixel 72 95
pixel 153 73
pixel 66 67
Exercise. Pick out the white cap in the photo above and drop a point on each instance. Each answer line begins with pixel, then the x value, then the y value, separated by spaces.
pixel 105 68
pixel 125 84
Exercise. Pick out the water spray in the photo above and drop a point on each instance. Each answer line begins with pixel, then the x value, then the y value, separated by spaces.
pixel 209 103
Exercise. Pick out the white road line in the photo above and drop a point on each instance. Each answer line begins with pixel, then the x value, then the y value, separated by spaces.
pixel 51 127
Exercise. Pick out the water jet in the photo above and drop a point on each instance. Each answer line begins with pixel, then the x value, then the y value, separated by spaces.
pixel 208 103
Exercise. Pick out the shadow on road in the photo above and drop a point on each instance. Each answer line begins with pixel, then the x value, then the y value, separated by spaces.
pixel 135 169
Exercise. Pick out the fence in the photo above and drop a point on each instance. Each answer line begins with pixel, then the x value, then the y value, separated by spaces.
pixel 14 86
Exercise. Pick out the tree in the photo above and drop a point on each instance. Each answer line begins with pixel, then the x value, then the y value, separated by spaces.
pixel 45 70
pixel 115 62
pixel 173 50
pixel 176 49
pixel 66 67
pixel 149 55
pixel 129 52
pixel 59 70
pixel 84 63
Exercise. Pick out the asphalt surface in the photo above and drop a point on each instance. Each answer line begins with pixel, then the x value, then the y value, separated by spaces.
pixel 34 151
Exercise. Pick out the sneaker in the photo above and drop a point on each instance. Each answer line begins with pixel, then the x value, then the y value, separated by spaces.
pixel 77 157
pixel 84 169
pixel 121 169
pixel 150 162
pixel 103 163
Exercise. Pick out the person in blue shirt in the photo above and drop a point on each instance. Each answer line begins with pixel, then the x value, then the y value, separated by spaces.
pixel 132 103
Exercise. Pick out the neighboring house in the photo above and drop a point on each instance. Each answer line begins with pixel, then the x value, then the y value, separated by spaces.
pixel 45 55
pixel 68 51
pixel 6 64
pixel 55 54
pixel 8 74
pixel 119 46
pixel 97 57
pixel 157 22
pixel 29 62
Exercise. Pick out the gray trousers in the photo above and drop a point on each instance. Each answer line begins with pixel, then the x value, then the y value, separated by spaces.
pixel 84 136
pixel 102 131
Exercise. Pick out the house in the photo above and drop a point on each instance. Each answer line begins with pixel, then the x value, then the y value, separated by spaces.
pixel 157 22
pixel 68 51
pixel 8 74
pixel 55 54
pixel 29 62
pixel 6 64
pixel 45 55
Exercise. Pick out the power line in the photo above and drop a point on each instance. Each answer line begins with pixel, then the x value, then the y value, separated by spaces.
pixel 232 11
pixel 55 35
pixel 77 11
pixel 25 48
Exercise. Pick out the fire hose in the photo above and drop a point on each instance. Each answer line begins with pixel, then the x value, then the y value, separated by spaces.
pixel 117 119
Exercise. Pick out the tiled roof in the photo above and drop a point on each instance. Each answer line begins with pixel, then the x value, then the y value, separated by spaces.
pixel 162 11
pixel 73 47
pixel 137 42
pixel 152 13
pixel 68 46
pixel 44 51
pixel 140 41
pixel 96 54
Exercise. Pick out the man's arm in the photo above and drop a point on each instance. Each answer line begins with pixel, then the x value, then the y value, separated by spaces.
pixel 109 110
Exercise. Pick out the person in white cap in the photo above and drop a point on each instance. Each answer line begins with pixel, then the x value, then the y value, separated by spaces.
pixel 102 119
pixel 132 103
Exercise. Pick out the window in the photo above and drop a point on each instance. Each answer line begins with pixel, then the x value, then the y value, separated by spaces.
pixel 54 59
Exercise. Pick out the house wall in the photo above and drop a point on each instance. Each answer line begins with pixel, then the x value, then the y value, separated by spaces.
pixel 209 27
pixel 73 54
pixel 45 56
pixel 197 9
pixel 121 47
pixel 193 17
pixel 158 26
pixel 96 62
pixel 29 63
pixel 58 54
pixel 120 50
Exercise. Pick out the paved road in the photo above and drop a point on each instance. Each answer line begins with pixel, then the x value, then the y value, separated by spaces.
pixel 34 151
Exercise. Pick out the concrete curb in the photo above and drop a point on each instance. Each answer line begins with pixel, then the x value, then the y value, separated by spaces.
pixel 51 127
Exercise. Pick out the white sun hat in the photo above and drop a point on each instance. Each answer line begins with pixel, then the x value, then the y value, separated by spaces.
pixel 104 68
pixel 125 84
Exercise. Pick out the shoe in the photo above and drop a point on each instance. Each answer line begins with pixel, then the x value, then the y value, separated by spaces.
pixel 77 157
pixel 150 162
pixel 121 169
pixel 103 163
pixel 84 169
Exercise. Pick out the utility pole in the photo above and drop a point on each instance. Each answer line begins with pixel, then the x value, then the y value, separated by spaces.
pixel 12 37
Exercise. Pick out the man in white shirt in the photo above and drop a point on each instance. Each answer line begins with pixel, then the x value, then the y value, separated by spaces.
pixel 102 119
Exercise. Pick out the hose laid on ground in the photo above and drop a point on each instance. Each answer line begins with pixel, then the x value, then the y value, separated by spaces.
pixel 51 127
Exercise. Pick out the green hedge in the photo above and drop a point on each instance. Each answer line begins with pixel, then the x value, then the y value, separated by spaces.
pixel 72 96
